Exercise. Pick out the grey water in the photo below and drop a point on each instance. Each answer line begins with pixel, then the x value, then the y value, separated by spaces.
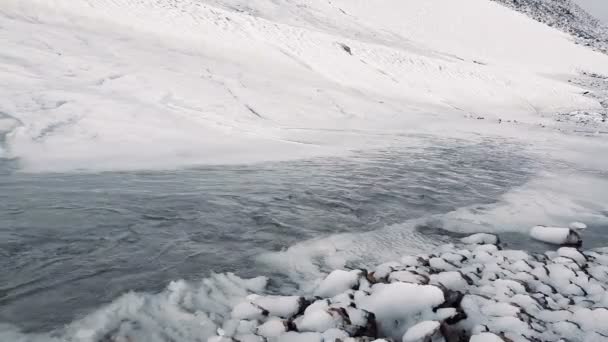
pixel 74 241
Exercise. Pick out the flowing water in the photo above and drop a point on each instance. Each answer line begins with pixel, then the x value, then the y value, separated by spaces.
pixel 72 242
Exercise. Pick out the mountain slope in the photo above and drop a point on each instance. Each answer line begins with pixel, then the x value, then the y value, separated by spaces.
pixel 120 84
pixel 566 16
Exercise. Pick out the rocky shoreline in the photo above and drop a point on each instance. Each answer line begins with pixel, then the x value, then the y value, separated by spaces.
pixel 473 290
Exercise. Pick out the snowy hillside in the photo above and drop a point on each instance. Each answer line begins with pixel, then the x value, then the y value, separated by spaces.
pixel 122 84
pixel 566 16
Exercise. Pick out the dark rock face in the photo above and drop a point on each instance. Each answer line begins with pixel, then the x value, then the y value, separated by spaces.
pixel 567 17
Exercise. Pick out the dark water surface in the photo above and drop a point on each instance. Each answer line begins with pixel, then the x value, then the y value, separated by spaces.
pixel 71 242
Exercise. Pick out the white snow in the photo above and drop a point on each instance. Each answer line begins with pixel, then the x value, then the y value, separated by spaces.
pixel 317 321
pixel 554 235
pixel 401 302
pixel 337 282
pixel 486 337
pixel 280 305
pixel 577 226
pixel 572 253
pixel 272 328
pixel 247 310
pixel 452 280
pixel 122 84
pixel 559 299
pixel 421 331
pixel 480 239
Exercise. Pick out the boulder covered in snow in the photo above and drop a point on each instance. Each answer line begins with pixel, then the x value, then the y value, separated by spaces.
pixel 423 332
pixel 471 292
pixel 556 235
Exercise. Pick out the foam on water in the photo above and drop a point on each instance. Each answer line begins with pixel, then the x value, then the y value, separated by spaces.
pixel 550 199
pixel 182 312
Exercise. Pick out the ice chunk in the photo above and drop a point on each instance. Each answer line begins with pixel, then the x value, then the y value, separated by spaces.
pixel 555 235
pixel 422 331
pixel 577 226
pixel 480 239
pixel 337 282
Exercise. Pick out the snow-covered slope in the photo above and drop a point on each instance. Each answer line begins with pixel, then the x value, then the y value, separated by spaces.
pixel 566 16
pixel 115 84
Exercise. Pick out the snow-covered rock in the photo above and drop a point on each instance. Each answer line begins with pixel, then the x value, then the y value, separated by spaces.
pixel 281 306
pixel 320 321
pixel 272 328
pixel 486 337
pixel 422 332
pixel 492 294
pixel 337 282
pixel 401 302
pixel 555 235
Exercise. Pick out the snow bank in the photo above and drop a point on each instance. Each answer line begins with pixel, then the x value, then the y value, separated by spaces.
pixel 121 84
